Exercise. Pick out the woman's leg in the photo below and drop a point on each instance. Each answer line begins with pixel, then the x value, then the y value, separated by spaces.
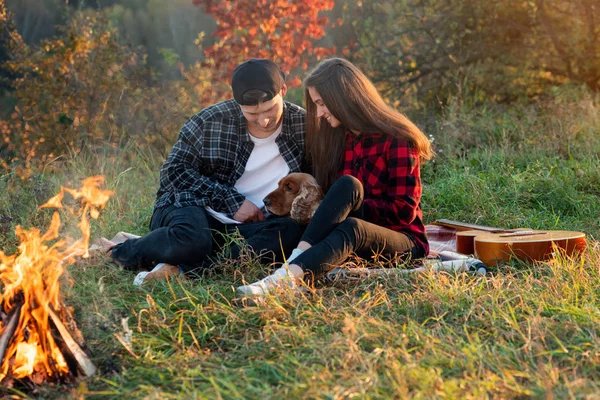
pixel 355 236
pixel 344 198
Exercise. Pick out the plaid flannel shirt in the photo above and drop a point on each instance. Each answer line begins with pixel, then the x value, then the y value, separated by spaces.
pixel 388 168
pixel 211 154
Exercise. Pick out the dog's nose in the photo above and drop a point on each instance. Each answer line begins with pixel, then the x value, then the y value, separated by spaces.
pixel 267 201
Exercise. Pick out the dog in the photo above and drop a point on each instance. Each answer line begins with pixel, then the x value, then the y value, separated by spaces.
pixel 297 195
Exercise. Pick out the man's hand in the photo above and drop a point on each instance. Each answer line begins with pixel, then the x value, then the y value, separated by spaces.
pixel 101 246
pixel 248 212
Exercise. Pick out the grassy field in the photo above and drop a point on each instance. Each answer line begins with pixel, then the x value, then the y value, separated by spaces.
pixel 521 331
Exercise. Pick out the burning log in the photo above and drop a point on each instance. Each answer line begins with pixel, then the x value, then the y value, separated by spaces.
pixel 9 329
pixel 84 364
pixel 36 341
pixel 68 352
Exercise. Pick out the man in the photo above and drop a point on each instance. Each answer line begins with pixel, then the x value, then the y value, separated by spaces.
pixel 227 158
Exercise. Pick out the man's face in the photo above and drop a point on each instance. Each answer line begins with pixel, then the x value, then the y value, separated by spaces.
pixel 263 119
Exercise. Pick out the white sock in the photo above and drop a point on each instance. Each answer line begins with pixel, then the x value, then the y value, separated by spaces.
pixel 285 271
pixel 295 253
pixel 285 275
pixel 294 271
pixel 141 277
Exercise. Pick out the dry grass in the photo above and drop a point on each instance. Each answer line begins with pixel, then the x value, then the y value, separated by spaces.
pixel 521 331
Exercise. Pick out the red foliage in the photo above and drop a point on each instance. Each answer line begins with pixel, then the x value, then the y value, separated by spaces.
pixel 280 30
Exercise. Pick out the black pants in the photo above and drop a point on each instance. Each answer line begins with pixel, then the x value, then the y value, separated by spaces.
pixel 338 230
pixel 187 236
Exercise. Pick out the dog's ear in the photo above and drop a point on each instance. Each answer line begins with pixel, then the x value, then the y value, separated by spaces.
pixel 306 202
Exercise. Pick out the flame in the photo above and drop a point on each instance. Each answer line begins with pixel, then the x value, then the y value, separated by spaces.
pixel 25 359
pixel 31 278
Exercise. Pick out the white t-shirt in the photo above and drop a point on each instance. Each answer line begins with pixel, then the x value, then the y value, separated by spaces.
pixel 264 169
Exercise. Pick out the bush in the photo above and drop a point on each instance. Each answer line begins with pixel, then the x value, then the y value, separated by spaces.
pixel 84 90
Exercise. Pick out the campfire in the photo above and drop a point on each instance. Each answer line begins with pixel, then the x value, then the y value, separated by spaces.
pixel 39 339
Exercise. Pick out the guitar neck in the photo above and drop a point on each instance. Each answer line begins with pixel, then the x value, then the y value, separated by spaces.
pixel 463 226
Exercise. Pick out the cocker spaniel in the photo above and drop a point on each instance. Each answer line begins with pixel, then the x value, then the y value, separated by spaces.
pixel 298 195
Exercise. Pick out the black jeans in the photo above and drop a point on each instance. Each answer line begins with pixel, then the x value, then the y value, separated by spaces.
pixel 338 230
pixel 187 236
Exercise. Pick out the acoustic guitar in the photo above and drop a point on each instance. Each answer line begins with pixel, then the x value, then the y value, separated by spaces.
pixel 465 235
pixel 496 245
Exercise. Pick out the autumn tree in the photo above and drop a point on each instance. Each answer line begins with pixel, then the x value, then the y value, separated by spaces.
pixel 281 30
pixel 84 91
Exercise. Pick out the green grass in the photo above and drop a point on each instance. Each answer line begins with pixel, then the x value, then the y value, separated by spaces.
pixel 521 331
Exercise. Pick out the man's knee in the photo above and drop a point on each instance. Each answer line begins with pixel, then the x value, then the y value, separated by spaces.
pixel 201 243
pixel 189 245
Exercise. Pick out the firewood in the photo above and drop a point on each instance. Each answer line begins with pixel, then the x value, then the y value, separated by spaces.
pixel 84 363
pixel 9 329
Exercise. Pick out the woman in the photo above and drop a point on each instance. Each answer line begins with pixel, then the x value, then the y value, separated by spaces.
pixel 366 155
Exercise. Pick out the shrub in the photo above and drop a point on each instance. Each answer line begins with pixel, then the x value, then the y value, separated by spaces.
pixel 84 90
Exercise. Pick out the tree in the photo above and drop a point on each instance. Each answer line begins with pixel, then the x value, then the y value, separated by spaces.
pixel 569 31
pixel 11 44
pixel 166 29
pixel 281 30
pixel 84 91
pixel 502 49
pixel 37 20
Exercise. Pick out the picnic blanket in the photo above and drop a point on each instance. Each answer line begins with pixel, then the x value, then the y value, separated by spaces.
pixel 441 238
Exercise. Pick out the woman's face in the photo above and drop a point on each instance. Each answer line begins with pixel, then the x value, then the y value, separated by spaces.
pixel 322 111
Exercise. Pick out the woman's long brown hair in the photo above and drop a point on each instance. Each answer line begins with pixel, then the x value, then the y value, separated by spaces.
pixel 353 99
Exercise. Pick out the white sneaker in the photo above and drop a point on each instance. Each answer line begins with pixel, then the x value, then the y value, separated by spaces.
pixel 282 278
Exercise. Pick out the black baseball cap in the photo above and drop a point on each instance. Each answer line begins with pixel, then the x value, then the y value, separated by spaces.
pixel 257 74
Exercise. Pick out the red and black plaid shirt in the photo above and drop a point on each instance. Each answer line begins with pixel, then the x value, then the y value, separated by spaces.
pixel 388 168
